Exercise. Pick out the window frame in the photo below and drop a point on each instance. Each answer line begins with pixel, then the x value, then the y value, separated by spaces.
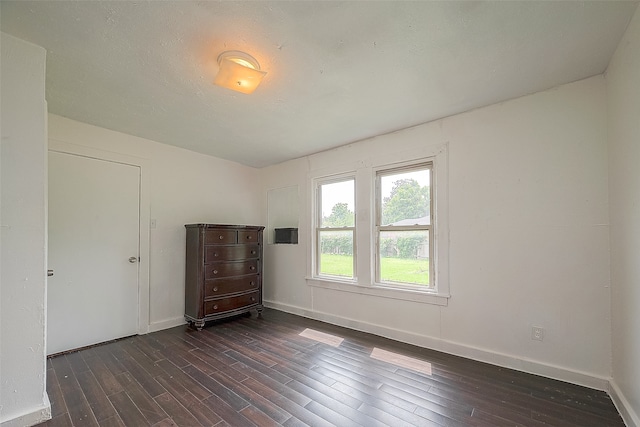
pixel 317 222
pixel 363 169
pixel 378 174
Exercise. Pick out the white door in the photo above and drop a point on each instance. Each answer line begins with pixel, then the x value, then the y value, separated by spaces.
pixel 93 250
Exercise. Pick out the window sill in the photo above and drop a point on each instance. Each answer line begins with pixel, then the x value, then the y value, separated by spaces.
pixel 423 297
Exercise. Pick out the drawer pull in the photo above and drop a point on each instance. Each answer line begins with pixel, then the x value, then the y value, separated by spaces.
pixel 215 271
pixel 221 237
pixel 215 306
pixel 253 299
pixel 248 237
pixel 215 254
pixel 215 289
pixel 252 283
pixel 252 253
pixel 252 268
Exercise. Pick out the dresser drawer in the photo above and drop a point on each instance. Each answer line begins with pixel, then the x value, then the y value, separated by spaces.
pixel 247 236
pixel 228 304
pixel 219 287
pixel 219 236
pixel 227 269
pixel 213 253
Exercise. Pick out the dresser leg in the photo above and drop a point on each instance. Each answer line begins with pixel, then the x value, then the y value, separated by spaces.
pixel 199 324
pixel 259 309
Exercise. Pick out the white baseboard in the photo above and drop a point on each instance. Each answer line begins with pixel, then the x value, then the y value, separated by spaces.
pixel 31 418
pixel 166 324
pixel 629 415
pixel 458 349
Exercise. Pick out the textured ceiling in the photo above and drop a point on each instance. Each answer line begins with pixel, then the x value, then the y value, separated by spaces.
pixel 337 71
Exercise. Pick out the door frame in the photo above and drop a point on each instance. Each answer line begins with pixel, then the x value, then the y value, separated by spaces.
pixel 144 214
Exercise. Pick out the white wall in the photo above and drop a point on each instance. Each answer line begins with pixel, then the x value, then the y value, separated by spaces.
pixel 185 187
pixel 23 400
pixel 623 91
pixel 528 224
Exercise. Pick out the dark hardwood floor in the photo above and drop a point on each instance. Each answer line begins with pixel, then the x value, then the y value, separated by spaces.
pixel 260 372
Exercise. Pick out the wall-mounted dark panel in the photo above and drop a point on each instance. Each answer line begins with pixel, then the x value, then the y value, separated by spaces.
pixel 286 235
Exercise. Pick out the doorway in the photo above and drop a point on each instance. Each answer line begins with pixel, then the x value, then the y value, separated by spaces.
pixel 94 250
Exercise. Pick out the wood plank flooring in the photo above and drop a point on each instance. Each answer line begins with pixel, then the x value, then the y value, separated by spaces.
pixel 260 372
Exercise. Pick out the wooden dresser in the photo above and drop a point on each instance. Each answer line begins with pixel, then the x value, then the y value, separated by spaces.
pixel 223 275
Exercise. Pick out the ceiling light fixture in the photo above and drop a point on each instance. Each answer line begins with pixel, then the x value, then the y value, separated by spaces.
pixel 239 71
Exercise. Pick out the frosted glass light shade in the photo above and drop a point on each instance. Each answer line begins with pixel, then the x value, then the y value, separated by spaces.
pixel 238 71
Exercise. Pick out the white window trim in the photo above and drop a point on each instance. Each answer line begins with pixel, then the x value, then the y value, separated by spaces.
pixel 405 294
pixel 317 182
pixel 438 155
pixel 377 229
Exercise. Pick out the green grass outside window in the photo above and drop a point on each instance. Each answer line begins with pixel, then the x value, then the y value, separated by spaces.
pixel 403 270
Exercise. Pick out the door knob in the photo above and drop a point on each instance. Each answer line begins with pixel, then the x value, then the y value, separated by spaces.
pixel 133 259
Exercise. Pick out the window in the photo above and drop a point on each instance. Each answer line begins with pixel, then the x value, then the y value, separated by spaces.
pixel 400 246
pixel 404 229
pixel 335 228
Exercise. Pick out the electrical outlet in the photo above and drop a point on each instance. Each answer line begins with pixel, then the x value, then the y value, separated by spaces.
pixel 537 333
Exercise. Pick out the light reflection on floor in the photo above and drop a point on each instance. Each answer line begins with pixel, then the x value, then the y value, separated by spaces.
pixel 401 360
pixel 329 339
pixel 377 353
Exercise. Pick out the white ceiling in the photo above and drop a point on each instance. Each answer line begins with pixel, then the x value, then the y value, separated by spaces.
pixel 338 72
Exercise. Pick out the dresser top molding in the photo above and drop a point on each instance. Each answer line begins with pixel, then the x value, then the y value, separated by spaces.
pixel 254 227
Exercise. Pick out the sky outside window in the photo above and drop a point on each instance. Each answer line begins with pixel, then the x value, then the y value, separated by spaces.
pixel 343 192
pixel 337 192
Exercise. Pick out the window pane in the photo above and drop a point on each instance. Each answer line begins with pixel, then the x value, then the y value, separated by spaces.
pixel 336 253
pixel 404 257
pixel 337 204
pixel 406 198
